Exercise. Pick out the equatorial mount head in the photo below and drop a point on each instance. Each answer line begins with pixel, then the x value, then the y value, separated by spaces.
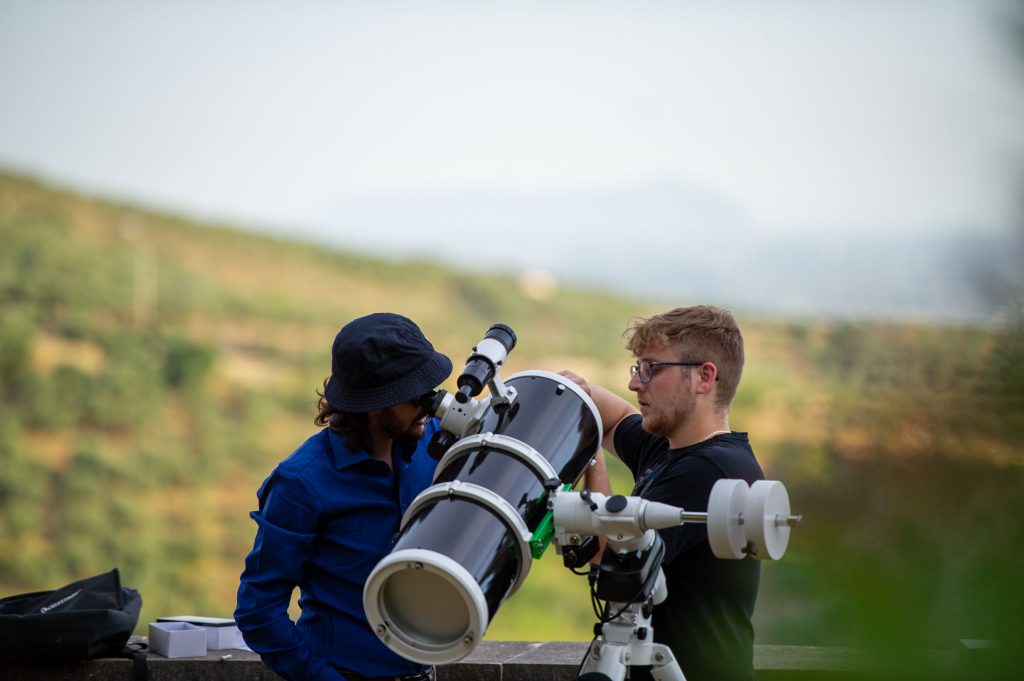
pixel 742 520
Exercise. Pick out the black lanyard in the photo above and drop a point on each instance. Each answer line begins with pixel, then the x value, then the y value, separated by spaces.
pixel 647 479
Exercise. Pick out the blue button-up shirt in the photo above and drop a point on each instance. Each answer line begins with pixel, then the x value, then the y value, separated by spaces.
pixel 326 516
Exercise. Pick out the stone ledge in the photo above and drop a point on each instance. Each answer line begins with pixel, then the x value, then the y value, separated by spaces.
pixel 491 661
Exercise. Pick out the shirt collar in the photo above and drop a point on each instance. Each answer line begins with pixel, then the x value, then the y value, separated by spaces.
pixel 346 458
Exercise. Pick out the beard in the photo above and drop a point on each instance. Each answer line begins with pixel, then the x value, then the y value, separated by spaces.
pixel 661 420
pixel 399 430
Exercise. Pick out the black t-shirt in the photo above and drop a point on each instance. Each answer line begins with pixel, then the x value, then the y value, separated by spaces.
pixel 706 618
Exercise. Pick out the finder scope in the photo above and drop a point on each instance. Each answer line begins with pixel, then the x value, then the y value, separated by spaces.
pixel 488 355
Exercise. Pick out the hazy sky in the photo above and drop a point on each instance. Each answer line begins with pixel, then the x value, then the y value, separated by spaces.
pixel 797 117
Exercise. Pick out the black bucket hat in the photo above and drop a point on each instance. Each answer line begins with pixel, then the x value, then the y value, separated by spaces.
pixel 382 360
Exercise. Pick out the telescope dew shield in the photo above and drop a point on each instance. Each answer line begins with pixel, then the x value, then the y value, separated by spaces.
pixel 463 547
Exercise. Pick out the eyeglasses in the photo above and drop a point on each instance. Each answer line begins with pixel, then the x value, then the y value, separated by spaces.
pixel 644 368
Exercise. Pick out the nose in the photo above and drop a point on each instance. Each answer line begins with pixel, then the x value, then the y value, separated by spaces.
pixel 635 384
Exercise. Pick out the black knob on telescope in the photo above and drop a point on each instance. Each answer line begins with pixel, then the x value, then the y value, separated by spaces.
pixel 577 556
pixel 440 443
pixel 615 504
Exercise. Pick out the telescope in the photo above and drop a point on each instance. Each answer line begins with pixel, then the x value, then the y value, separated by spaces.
pixel 502 493
pixel 466 543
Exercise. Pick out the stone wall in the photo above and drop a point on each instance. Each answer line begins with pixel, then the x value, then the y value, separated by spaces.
pixel 491 661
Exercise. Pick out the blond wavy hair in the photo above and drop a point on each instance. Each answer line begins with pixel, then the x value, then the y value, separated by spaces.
pixel 699 333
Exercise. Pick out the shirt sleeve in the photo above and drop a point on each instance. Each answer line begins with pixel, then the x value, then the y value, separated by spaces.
pixel 633 444
pixel 286 522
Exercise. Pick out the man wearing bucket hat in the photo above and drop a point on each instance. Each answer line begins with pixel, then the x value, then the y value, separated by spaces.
pixel 330 511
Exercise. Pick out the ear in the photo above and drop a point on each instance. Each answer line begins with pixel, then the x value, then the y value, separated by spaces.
pixel 707 376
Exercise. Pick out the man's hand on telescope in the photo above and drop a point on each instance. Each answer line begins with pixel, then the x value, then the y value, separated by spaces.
pixel 612 408
pixel 578 380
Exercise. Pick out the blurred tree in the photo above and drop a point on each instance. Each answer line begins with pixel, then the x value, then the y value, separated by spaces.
pixel 187 362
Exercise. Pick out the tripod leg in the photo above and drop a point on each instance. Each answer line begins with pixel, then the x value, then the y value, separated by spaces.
pixel 604 663
pixel 664 666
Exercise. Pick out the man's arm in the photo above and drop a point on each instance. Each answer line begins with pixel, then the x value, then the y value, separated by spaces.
pixel 595 477
pixel 612 408
pixel 272 570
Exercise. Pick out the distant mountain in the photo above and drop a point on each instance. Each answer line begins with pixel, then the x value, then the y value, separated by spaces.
pixel 942 278
pixel 677 245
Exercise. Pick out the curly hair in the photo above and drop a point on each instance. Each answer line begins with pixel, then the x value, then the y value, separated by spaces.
pixel 354 428
pixel 701 332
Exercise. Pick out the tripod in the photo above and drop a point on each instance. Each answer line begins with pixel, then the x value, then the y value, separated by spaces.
pixel 741 521
pixel 626 641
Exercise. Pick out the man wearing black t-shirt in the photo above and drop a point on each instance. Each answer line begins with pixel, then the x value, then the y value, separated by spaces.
pixel 688 366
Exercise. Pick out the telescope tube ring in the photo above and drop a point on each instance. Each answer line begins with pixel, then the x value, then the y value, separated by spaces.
pixel 510 445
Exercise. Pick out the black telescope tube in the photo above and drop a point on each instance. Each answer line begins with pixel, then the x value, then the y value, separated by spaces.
pixel 460 553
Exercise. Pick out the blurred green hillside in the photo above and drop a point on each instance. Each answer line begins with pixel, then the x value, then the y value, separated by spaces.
pixel 153 371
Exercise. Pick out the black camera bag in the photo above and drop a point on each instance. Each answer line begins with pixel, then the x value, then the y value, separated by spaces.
pixel 90 618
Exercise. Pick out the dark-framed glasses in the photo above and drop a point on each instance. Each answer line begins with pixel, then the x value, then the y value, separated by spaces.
pixel 644 368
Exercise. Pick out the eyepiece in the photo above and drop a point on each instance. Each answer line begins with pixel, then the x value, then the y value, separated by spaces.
pixel 430 401
pixel 468 386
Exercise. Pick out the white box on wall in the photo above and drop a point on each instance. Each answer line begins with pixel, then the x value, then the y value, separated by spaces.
pixel 177 639
pixel 220 633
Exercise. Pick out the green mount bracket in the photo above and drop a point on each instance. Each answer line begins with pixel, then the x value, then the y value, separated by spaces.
pixel 545 531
